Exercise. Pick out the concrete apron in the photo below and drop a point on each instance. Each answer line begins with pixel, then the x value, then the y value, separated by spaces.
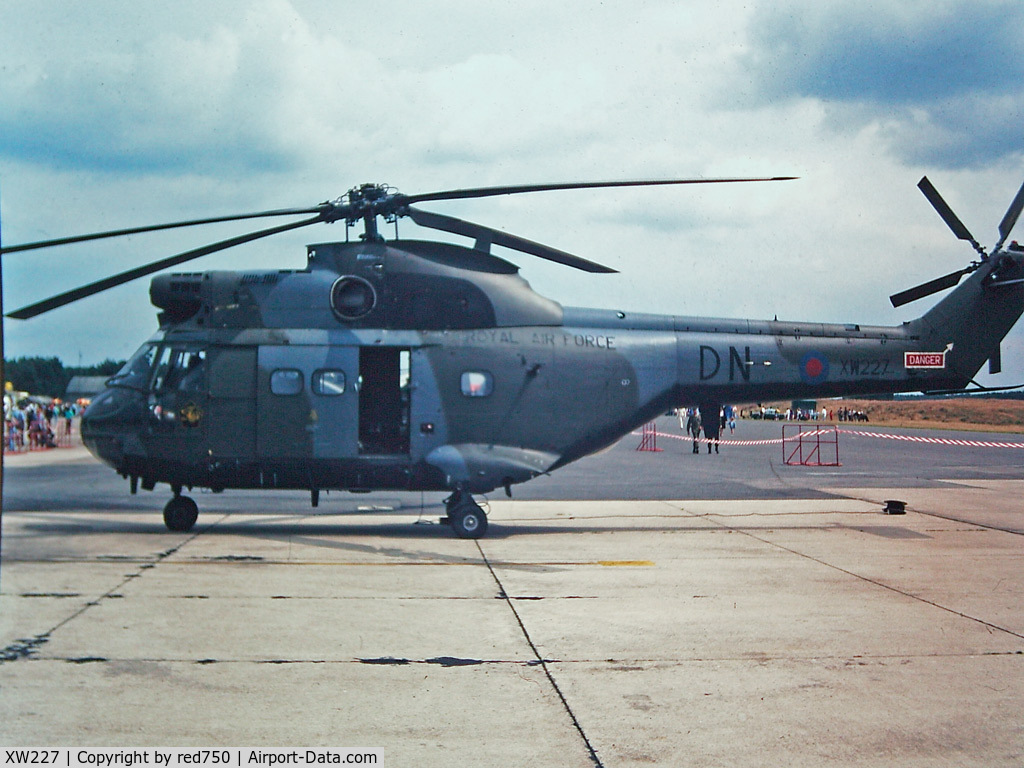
pixel 578 633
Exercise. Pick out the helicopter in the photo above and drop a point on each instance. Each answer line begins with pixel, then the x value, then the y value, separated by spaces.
pixel 418 365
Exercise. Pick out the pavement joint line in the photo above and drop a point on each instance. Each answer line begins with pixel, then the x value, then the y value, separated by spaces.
pixel 986 526
pixel 150 562
pixel 25 648
pixel 670 502
pixel 877 583
pixel 543 663
pixel 679 662
pixel 950 518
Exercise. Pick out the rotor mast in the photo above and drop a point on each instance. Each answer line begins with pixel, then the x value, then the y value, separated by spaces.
pixel 368 198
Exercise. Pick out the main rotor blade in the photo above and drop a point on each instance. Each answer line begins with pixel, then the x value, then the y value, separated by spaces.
pixel 158 227
pixel 112 282
pixel 1006 225
pixel 461 194
pixel 927 289
pixel 951 219
pixel 497 237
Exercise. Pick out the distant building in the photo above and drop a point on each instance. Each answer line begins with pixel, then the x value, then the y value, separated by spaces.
pixel 86 387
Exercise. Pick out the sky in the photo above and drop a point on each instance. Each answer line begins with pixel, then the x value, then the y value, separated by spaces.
pixel 114 114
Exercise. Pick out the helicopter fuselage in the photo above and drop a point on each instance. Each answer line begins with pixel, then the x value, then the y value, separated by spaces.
pixel 425 366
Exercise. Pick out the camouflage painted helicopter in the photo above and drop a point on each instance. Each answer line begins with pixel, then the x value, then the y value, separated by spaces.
pixel 415 365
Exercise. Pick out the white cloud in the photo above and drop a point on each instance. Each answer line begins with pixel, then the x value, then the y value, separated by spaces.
pixel 930 75
pixel 111 116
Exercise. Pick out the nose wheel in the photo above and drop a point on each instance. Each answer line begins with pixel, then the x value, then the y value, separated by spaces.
pixel 465 516
pixel 180 514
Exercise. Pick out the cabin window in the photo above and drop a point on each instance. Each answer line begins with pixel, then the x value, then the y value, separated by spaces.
pixel 477 384
pixel 286 381
pixel 329 383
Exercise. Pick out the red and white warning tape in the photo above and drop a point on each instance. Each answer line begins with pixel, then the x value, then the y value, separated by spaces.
pixel 933 440
pixel 688 439
pixel 810 434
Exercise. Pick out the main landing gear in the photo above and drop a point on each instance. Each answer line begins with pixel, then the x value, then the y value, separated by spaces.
pixel 465 516
pixel 180 513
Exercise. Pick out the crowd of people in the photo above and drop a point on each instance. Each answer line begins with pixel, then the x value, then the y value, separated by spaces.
pixel 693 422
pixel 34 423
pixel 849 414
pixel 804 414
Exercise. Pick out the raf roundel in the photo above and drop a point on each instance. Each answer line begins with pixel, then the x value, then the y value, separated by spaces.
pixel 814 368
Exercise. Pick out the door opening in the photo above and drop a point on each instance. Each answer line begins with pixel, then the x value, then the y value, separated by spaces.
pixel 384 395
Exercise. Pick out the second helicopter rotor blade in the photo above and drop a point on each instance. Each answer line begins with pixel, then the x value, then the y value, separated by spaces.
pixel 927 289
pixel 69 297
pixel 497 237
pixel 462 194
pixel 158 227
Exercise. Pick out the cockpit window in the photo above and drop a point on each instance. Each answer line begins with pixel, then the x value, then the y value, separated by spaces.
pixel 135 373
pixel 179 368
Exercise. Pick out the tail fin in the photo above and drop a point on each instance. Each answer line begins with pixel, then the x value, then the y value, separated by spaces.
pixel 972 320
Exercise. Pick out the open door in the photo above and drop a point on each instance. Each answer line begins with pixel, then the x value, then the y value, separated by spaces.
pixel 384 400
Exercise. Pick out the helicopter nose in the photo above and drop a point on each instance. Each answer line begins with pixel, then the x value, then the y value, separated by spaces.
pixel 113 415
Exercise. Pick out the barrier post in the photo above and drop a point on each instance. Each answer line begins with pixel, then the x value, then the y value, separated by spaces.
pixel 649 438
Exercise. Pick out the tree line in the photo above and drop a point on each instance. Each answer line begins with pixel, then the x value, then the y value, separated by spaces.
pixel 49 377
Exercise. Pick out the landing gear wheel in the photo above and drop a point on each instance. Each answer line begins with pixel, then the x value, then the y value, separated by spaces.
pixel 180 514
pixel 468 520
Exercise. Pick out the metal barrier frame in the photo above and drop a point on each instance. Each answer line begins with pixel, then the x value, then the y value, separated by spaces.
pixel 810 437
pixel 649 438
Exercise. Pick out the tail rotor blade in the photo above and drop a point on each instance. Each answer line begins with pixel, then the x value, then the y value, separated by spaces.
pixel 927 289
pixel 1006 225
pixel 951 219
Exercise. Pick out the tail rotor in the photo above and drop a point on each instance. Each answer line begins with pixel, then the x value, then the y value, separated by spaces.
pixel 962 233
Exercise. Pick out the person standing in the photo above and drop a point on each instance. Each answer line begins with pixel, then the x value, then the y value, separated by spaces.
pixel 712 422
pixel 693 427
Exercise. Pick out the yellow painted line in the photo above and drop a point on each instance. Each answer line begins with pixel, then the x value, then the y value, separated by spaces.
pixel 385 564
pixel 626 563
pixel 346 563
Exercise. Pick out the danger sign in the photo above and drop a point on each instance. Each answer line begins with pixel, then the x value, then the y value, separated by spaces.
pixel 924 359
